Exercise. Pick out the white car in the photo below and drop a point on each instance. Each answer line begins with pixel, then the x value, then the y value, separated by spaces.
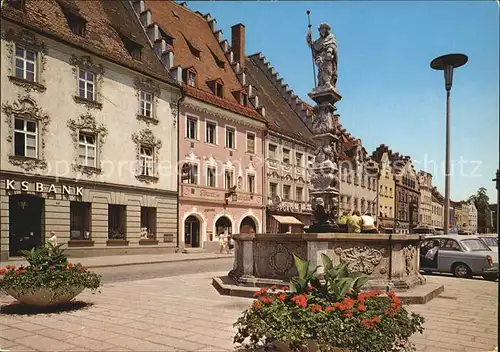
pixel 490 240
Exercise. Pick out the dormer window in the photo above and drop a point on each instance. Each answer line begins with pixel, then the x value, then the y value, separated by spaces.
pixel 219 89
pixel 17 4
pixel 76 23
pixel 189 76
pixel 244 99
pixel 194 50
pixel 133 48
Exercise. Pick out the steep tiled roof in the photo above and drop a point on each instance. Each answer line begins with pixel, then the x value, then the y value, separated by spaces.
pixel 195 46
pixel 106 21
pixel 279 115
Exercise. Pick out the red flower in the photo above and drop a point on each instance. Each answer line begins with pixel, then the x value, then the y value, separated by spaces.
pixel 315 308
pixel 347 315
pixel 273 287
pixel 329 309
pixel 300 300
pixel 267 300
pixel 282 297
pixel 20 271
pixel 285 288
pixel 2 271
pixel 70 265
pixel 396 300
pixel 10 267
pixel 52 267
pixel 362 308
pixel 256 294
pixel 349 302
pixel 256 305
pixel 376 319
pixel 309 287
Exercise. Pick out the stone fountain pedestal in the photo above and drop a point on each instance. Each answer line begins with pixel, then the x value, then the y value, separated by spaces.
pixel 390 261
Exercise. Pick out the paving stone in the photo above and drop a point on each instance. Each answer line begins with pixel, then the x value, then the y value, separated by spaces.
pixel 212 341
pixel 13 333
pixel 91 344
pixel 178 343
pixel 42 343
pixel 56 334
pixel 19 348
pixel 4 343
pixel 26 326
pixel 169 331
pixel 137 344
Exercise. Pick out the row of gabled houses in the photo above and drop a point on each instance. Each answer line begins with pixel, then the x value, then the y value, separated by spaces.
pixel 136 127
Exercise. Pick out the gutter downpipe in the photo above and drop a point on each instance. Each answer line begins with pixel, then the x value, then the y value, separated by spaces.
pixel 179 101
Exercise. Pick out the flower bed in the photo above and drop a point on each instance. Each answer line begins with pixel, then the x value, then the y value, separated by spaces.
pixel 332 314
pixel 48 279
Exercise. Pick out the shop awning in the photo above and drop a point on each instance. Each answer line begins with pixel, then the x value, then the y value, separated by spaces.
pixel 287 220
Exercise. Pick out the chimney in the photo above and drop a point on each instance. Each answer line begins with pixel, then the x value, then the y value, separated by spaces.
pixel 238 43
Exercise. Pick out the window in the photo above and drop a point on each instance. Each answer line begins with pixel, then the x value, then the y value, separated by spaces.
pixel 191 128
pixel 243 99
pixel 230 138
pixel 228 179
pixel 86 149
pixel 219 89
pixel 17 4
pixel 286 156
pixel 191 171
pixel 77 25
pixel 25 138
pixel 191 78
pixel 211 176
pixel 210 132
pixel 251 183
pixel 273 189
pixel 286 192
pixel 299 194
pixel 146 104
pixel 250 143
pixel 146 161
pixel 86 84
pixel 298 159
pixel 136 52
pixel 272 151
pixel 116 221
pixel 79 220
pixel 148 222
pixel 310 161
pixel 25 64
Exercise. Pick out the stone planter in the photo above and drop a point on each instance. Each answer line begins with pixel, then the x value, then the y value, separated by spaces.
pixel 45 297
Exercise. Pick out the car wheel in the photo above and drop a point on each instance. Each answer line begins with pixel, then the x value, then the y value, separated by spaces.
pixel 461 270
pixel 493 277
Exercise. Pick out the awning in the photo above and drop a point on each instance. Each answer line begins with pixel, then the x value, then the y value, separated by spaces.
pixel 287 220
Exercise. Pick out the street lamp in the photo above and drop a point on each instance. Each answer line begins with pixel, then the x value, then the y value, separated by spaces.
pixel 447 63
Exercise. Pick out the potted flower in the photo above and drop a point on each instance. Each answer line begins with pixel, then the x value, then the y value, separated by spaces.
pixel 48 279
pixel 327 314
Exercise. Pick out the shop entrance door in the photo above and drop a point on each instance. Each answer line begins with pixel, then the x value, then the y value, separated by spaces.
pixel 25 222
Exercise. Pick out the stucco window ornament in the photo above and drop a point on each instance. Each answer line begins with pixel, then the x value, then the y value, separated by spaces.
pixel 360 259
pixel 89 77
pixel 147 92
pixel 26 108
pixel 147 145
pixel 28 57
pixel 409 255
pixel 87 124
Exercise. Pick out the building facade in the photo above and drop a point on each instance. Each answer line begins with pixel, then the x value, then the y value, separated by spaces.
pixel 288 151
pixel 437 210
pixel 425 209
pixel 221 130
pixel 387 189
pixel 407 200
pixel 86 126
pixel 358 177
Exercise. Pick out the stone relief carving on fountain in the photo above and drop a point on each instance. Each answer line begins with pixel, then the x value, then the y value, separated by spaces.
pixel 360 259
pixel 409 255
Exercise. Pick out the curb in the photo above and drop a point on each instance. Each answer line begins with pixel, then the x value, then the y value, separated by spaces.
pixel 152 262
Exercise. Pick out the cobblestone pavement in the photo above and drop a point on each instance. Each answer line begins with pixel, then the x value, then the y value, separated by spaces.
pixel 186 313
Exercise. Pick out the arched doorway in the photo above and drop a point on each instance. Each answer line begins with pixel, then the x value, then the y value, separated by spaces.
pixel 223 225
pixel 25 222
pixel 248 225
pixel 192 231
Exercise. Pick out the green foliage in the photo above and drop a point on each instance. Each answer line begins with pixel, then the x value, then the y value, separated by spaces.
pixel 306 276
pixel 48 268
pixel 332 314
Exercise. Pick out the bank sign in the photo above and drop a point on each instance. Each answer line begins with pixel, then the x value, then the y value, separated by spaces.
pixel 39 187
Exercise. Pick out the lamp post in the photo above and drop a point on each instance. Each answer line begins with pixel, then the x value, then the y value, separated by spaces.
pixel 447 63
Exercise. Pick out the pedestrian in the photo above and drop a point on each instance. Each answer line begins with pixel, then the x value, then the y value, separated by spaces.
pixel 231 244
pixel 354 222
pixel 222 242
pixel 368 224
pixel 344 217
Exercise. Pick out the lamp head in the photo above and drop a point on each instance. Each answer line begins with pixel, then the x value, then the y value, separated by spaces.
pixel 447 63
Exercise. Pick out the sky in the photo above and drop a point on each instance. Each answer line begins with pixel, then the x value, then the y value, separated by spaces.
pixel 390 93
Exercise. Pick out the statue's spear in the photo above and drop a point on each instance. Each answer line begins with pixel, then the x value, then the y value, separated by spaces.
pixel 309 35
